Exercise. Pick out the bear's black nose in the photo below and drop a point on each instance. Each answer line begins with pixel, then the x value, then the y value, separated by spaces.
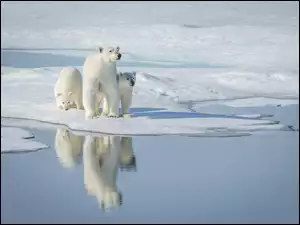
pixel 132 83
pixel 119 56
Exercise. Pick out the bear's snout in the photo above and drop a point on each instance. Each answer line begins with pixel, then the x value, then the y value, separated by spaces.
pixel 119 55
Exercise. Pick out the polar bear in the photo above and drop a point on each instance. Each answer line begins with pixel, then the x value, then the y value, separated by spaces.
pixel 126 82
pixel 99 70
pixel 68 89
pixel 100 163
pixel 68 147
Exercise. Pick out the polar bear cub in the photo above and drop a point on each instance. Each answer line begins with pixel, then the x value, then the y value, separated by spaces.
pixel 68 147
pixel 68 89
pixel 99 70
pixel 100 163
pixel 126 81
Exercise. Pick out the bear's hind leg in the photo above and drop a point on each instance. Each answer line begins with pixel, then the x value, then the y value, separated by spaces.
pixel 105 109
pixel 79 105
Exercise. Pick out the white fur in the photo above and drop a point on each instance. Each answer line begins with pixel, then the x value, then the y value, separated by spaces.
pixel 125 91
pixel 68 146
pixel 99 70
pixel 68 89
pixel 127 158
pixel 100 162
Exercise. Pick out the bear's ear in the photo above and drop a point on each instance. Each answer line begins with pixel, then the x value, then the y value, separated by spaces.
pixel 70 93
pixel 134 73
pixel 58 94
pixel 99 49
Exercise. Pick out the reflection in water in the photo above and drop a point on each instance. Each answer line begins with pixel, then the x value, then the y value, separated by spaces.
pixel 127 158
pixel 102 157
pixel 100 161
pixel 68 147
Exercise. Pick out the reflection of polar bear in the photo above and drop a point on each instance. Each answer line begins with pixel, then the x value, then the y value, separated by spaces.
pixel 99 70
pixel 100 162
pixel 68 146
pixel 68 89
pixel 126 82
pixel 127 158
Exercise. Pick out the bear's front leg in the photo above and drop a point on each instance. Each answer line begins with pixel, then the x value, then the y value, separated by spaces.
pixel 105 109
pixel 79 104
pixel 113 100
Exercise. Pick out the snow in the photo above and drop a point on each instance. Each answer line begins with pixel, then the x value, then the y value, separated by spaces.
pixel 187 55
pixel 18 140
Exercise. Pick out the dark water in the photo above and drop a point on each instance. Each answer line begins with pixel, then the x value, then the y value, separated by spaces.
pixel 252 179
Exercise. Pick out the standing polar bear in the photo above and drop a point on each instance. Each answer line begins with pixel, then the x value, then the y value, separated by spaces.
pixel 126 82
pixel 100 72
pixel 68 89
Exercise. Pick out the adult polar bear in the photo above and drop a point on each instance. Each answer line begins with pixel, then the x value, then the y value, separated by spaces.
pixel 100 72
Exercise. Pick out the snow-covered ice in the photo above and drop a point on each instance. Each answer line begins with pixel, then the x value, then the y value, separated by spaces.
pixel 15 139
pixel 206 68
pixel 190 53
pixel 153 112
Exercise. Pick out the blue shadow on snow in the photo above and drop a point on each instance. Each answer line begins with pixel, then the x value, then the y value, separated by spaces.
pixel 158 114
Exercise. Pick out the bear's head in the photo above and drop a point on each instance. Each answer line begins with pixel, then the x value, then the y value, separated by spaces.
pixel 64 148
pixel 111 200
pixel 127 78
pixel 64 100
pixel 110 54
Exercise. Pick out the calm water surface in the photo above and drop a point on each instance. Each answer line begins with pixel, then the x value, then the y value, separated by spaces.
pixel 112 179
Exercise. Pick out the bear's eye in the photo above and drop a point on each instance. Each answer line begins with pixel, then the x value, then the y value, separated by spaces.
pixel 63 102
pixel 127 78
pixel 110 50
